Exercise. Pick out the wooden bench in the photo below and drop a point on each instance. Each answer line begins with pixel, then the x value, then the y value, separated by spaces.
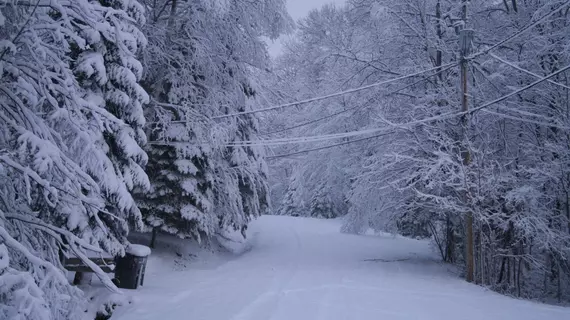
pixel 83 272
pixel 129 270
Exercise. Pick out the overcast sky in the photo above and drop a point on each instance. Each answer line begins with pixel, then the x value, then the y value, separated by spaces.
pixel 298 9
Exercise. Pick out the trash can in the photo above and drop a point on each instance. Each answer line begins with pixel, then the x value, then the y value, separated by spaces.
pixel 130 269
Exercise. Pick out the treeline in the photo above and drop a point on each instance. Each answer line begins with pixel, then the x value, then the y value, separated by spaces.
pixel 416 165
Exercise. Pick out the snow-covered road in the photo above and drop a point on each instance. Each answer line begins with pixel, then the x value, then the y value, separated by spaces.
pixel 305 269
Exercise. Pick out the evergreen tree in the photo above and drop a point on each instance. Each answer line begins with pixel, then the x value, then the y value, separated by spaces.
pixel 108 69
pixel 198 66
pixel 293 203
pixel 70 113
pixel 322 206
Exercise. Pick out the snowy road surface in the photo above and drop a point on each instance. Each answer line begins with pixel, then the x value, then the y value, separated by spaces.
pixel 305 269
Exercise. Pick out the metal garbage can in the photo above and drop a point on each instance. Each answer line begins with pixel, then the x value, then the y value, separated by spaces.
pixel 130 269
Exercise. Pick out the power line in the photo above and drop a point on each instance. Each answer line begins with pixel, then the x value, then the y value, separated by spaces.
pixel 388 133
pixel 356 107
pixel 526 71
pixel 506 116
pixel 337 94
pixel 276 142
pixel 539 81
pixel 520 32
pixel 473 56
pixel 327 147
pixel 318 138
pixel 317 120
pixel 525 113
pixel 321 138
pixel 483 106
pixel 453 114
pixel 306 139
pixel 446 67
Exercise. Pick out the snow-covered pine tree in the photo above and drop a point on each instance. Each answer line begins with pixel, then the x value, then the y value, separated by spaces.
pixel 58 177
pixel 108 69
pixel 244 174
pixel 198 61
pixel 322 205
pixel 294 203
pixel 319 191
pixel 181 196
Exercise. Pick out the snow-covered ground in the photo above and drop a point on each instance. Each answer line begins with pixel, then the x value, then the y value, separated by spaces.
pixel 305 269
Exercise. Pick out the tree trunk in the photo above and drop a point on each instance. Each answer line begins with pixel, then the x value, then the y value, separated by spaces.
pixel 438 54
pixel 508 272
pixel 568 210
pixel 153 238
pixel 450 241
pixel 502 272
pixel 559 292
pixel 519 273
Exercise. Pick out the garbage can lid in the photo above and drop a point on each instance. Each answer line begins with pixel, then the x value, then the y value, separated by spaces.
pixel 138 250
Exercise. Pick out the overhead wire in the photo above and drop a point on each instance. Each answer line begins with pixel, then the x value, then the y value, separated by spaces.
pixel 519 32
pixel 318 138
pixel 453 114
pixel 471 57
pixel 358 107
pixel 502 115
pixel 526 71
pixel 333 95
pixel 429 119
pixel 506 116
pixel 319 98
pixel 529 86
pixel 327 147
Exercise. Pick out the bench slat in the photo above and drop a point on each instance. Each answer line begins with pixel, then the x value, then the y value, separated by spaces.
pixel 84 268
pixel 97 261
pixel 75 264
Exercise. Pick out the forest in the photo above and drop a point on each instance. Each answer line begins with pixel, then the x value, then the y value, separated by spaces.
pixel 446 120
pixel 407 155
pixel 104 121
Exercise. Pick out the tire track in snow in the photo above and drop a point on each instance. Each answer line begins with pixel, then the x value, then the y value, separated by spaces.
pixel 268 302
pixel 184 295
pixel 281 293
pixel 324 304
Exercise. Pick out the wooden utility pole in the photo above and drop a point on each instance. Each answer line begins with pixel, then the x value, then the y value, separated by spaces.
pixel 172 16
pixel 465 41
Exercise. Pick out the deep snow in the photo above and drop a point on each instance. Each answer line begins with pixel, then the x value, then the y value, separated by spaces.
pixel 305 269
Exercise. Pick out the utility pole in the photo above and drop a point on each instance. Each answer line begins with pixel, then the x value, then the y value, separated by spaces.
pixel 172 16
pixel 465 41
